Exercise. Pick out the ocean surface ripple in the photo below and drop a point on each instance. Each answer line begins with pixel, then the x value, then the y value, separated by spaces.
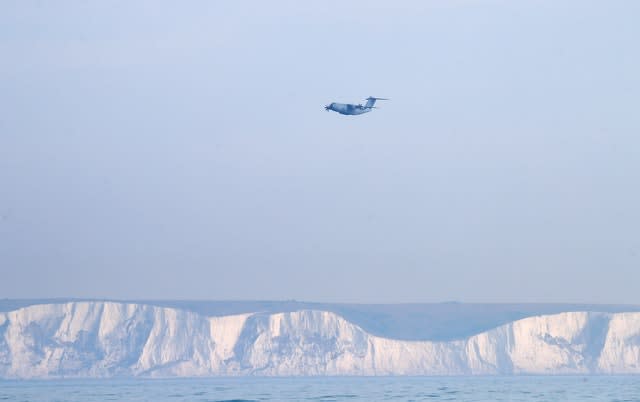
pixel 325 389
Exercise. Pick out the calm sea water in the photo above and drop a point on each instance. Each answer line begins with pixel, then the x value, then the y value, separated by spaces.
pixel 597 389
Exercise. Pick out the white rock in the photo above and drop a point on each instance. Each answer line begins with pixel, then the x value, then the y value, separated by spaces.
pixel 104 339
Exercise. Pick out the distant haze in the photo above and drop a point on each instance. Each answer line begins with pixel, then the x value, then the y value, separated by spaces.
pixel 180 150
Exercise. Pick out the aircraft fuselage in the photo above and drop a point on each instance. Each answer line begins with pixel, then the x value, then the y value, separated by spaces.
pixel 348 108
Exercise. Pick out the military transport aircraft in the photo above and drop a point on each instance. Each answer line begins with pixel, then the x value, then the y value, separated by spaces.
pixel 348 108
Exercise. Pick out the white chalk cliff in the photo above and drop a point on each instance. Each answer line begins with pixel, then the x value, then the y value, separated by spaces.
pixel 104 339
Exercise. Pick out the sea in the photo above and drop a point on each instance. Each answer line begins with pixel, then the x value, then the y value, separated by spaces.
pixel 352 389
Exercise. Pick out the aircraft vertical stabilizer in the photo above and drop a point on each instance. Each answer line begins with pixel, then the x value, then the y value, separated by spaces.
pixel 372 101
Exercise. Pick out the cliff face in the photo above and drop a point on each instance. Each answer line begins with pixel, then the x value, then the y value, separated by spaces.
pixel 103 339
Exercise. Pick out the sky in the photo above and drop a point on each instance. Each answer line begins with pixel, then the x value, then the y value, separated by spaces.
pixel 180 150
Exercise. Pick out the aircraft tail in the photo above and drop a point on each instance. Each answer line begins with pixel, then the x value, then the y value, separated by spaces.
pixel 372 101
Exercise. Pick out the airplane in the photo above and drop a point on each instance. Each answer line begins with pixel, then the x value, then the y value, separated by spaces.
pixel 351 109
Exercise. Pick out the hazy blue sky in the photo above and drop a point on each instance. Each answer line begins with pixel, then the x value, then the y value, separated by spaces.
pixel 181 150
